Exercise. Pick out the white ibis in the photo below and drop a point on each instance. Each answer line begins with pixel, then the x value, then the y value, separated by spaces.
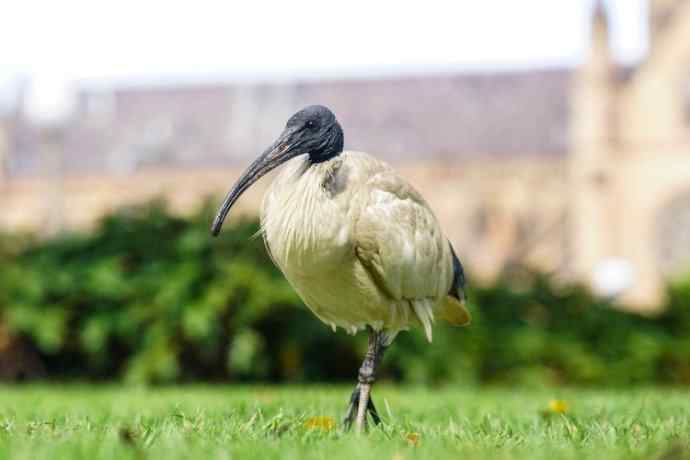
pixel 356 241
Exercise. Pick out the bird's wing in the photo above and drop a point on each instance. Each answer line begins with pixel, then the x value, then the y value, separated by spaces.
pixel 399 241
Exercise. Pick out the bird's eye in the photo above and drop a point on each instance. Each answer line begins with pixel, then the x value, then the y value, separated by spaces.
pixel 311 125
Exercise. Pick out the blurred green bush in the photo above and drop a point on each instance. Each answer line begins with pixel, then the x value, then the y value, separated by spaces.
pixel 151 297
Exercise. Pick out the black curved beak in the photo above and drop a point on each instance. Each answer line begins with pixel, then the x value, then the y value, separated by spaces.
pixel 281 151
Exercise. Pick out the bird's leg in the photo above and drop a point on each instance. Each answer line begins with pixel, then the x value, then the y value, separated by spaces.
pixel 367 375
pixel 354 405
pixel 373 412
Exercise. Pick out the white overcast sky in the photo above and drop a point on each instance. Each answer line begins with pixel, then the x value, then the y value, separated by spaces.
pixel 54 43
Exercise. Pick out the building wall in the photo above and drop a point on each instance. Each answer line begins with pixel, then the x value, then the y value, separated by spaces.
pixel 495 214
pixel 4 150
pixel 651 238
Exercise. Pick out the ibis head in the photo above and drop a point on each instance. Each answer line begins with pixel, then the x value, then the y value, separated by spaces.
pixel 313 130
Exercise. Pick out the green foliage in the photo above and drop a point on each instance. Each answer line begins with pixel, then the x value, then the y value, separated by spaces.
pixel 151 297
pixel 146 296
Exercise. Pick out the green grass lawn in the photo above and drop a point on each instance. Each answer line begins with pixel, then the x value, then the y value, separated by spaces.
pixel 256 422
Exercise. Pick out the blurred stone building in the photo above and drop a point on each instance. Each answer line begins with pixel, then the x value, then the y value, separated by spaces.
pixel 582 172
pixel 629 165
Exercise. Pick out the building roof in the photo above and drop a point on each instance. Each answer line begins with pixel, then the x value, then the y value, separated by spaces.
pixel 443 117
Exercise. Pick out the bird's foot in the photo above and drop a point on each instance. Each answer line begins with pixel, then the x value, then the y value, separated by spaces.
pixel 352 409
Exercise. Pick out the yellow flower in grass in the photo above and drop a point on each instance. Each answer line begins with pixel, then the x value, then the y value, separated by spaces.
pixel 558 406
pixel 321 422
pixel 413 439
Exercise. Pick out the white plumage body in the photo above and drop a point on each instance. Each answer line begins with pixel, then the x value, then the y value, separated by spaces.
pixel 358 244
